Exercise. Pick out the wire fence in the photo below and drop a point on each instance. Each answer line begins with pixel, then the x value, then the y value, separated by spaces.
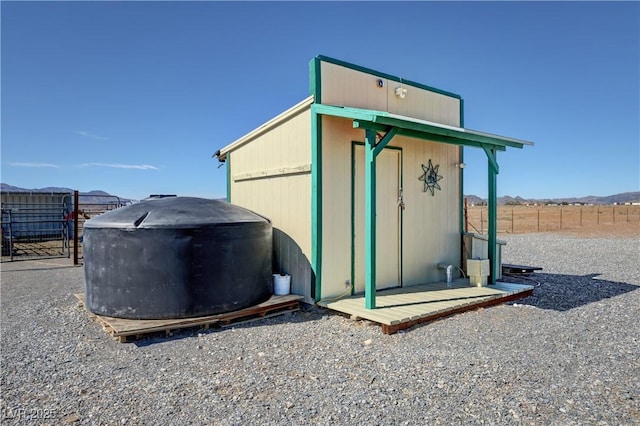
pixel 525 219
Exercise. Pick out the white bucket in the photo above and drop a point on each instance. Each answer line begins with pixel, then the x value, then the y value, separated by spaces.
pixel 281 284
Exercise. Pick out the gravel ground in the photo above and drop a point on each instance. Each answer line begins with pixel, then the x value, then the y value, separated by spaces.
pixel 570 354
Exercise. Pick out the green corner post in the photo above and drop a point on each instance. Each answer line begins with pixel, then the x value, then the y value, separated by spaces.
pixel 461 161
pixel 370 219
pixel 228 177
pixel 493 211
pixel 315 89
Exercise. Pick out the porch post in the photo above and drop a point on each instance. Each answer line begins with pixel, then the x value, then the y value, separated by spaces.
pixel 493 212
pixel 370 219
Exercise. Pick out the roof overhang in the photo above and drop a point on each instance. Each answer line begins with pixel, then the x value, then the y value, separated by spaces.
pixel 274 122
pixel 420 129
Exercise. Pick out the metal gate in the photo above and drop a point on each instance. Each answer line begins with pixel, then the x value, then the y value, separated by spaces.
pixel 39 225
pixel 34 225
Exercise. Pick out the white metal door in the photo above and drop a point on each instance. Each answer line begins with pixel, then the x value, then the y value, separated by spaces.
pixel 388 219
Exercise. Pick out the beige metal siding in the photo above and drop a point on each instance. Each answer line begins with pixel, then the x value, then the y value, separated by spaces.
pixel 424 104
pixel 388 164
pixel 337 135
pixel 271 176
pixel 347 87
pixel 431 224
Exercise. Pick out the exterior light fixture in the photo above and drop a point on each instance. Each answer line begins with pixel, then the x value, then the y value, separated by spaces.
pixel 401 92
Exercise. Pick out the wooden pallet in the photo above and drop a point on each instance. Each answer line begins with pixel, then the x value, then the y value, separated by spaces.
pixel 122 329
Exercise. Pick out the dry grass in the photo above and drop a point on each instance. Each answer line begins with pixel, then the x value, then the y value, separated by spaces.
pixel 591 221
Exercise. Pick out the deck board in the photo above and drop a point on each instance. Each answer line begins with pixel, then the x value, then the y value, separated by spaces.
pixel 402 307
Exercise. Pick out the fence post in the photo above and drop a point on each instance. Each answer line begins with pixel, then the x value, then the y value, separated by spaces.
pixel 538 220
pixel 466 216
pixel 627 214
pixel 598 216
pixel 10 235
pixel 581 217
pixel 560 217
pixel 512 220
pixel 76 215
pixel 481 222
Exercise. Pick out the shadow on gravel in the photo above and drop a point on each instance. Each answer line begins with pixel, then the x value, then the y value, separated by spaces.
pixel 564 292
pixel 53 268
pixel 306 313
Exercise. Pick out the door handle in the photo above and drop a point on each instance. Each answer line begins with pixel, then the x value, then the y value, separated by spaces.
pixel 401 198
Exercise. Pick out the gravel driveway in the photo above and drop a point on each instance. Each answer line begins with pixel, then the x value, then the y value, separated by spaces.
pixel 570 354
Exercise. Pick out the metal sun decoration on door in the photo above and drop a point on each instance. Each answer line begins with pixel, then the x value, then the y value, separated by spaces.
pixel 430 177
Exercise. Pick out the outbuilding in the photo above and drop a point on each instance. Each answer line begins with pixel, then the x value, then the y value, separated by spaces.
pixel 363 183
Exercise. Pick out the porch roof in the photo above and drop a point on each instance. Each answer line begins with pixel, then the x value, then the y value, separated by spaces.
pixel 373 122
pixel 421 129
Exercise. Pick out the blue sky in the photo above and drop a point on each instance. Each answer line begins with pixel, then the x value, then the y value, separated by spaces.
pixel 134 97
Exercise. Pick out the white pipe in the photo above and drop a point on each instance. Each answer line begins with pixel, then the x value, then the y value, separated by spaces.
pixel 449 270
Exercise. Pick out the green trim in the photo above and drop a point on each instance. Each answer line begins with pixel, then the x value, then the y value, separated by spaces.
pixel 401 218
pixel 461 161
pixel 384 75
pixel 316 202
pixel 461 200
pixel 493 164
pixel 492 209
pixel 315 82
pixel 370 220
pixel 443 131
pixel 425 136
pixel 228 161
pixel 382 121
pixel 346 112
pixel 316 181
pixel 384 141
pixel 353 215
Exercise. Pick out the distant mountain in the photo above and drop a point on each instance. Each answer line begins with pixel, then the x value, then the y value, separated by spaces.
pixel 474 200
pixel 625 197
pixel 102 197
pixel 11 188
pixel 91 197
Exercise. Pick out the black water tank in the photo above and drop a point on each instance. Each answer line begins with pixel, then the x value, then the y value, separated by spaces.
pixel 176 257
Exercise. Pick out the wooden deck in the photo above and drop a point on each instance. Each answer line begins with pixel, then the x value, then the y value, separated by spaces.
pixel 400 308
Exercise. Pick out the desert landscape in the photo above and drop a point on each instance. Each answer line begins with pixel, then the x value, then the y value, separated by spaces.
pixel 590 221
pixel 566 355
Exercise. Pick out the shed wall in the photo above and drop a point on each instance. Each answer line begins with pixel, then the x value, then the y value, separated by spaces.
pixel 337 137
pixel 431 231
pixel 270 175
pixel 348 87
